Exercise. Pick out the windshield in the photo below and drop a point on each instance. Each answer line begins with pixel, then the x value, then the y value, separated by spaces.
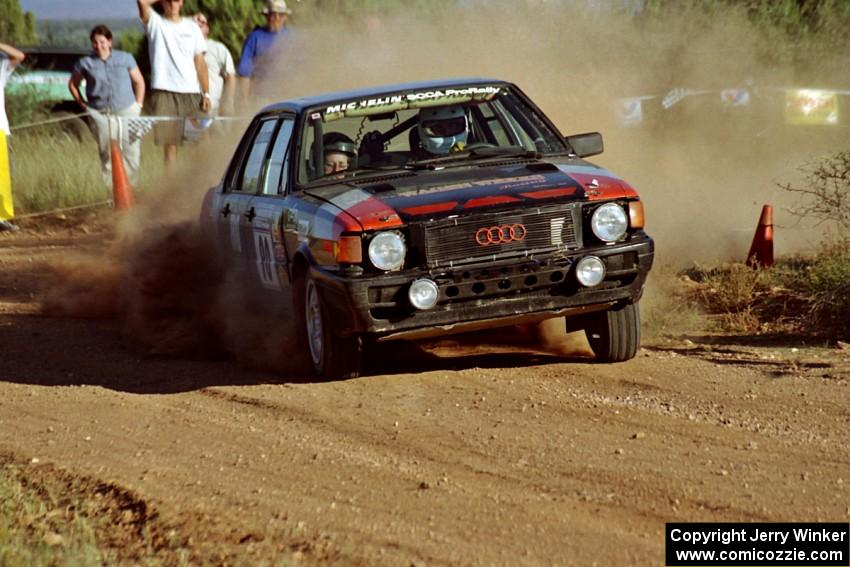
pixel 411 128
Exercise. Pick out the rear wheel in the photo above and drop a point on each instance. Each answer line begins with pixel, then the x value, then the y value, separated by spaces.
pixel 614 335
pixel 333 357
pixel 72 126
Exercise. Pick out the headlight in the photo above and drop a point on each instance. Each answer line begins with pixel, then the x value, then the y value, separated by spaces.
pixel 590 271
pixel 386 251
pixel 609 222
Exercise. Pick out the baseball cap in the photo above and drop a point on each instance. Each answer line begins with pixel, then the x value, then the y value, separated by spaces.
pixel 276 6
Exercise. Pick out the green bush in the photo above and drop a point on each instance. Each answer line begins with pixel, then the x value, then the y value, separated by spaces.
pixel 23 107
pixel 828 282
pixel 801 295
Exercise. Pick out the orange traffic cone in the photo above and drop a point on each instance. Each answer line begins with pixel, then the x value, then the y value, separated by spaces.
pixel 121 190
pixel 761 250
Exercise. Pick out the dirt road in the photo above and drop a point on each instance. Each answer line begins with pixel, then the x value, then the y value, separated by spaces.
pixel 450 454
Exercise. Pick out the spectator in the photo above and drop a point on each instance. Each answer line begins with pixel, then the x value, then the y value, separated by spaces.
pixel 220 69
pixel 179 80
pixel 9 59
pixel 261 41
pixel 114 88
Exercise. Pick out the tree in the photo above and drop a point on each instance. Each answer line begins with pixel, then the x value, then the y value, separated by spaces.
pixel 16 28
pixel 230 20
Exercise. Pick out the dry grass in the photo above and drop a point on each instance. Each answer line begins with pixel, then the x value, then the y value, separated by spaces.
pixel 808 296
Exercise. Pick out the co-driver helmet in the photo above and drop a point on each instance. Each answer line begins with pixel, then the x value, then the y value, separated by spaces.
pixel 339 142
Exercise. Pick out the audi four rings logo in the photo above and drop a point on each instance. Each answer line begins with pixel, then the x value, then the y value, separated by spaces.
pixel 485 236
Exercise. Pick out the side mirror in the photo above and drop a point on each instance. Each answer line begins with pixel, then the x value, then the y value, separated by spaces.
pixel 584 145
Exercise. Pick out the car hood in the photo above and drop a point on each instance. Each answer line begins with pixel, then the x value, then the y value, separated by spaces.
pixel 396 199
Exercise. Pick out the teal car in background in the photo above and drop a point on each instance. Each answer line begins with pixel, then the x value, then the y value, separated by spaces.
pixel 42 81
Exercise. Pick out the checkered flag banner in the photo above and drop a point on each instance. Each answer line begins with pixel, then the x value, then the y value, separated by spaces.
pixel 138 127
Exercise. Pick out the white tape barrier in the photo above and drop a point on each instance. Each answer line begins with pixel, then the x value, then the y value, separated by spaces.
pixel 64 209
pixel 130 120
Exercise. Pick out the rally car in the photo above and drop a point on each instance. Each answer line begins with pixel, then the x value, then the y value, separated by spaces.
pixel 423 209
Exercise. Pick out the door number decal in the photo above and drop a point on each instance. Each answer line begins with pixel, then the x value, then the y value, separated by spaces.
pixel 265 260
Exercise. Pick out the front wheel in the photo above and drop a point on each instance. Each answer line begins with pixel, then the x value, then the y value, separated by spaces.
pixel 333 357
pixel 614 335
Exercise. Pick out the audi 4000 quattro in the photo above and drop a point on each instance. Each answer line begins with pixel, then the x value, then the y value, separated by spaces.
pixel 423 209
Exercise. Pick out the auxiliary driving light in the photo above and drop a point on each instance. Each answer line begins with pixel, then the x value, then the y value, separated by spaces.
pixel 590 271
pixel 423 294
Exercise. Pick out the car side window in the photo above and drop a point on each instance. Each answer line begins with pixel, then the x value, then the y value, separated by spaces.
pixel 278 160
pixel 252 169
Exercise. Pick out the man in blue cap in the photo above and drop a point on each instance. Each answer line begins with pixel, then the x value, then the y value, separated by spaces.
pixel 261 42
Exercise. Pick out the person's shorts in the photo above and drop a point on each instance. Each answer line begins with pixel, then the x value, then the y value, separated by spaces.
pixel 167 103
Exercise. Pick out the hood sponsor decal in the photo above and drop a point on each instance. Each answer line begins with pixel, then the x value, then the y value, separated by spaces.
pixel 491 200
pixel 431 209
pixel 483 193
pixel 551 193
pixel 503 183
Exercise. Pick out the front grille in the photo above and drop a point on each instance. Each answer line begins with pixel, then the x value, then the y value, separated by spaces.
pixel 457 241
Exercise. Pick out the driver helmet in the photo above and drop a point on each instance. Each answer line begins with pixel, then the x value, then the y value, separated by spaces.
pixel 440 129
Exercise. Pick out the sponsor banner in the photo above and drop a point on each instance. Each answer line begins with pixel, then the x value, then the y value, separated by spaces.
pixel 813 107
pixel 734 97
pixel 194 128
pixel 137 127
pixel 673 97
pixel 629 111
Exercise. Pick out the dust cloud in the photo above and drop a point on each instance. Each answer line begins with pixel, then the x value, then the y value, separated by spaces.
pixel 703 170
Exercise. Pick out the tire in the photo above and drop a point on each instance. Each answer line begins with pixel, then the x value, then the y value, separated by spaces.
pixel 74 128
pixel 333 357
pixel 614 335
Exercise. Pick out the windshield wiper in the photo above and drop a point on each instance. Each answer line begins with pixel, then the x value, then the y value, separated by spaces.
pixel 355 174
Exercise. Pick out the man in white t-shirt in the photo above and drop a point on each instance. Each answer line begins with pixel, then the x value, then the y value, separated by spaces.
pixel 179 78
pixel 220 68
pixel 9 59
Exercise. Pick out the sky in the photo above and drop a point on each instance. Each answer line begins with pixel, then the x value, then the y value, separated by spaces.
pixel 79 9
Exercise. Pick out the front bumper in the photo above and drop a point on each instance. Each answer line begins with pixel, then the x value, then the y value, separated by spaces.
pixel 493 294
